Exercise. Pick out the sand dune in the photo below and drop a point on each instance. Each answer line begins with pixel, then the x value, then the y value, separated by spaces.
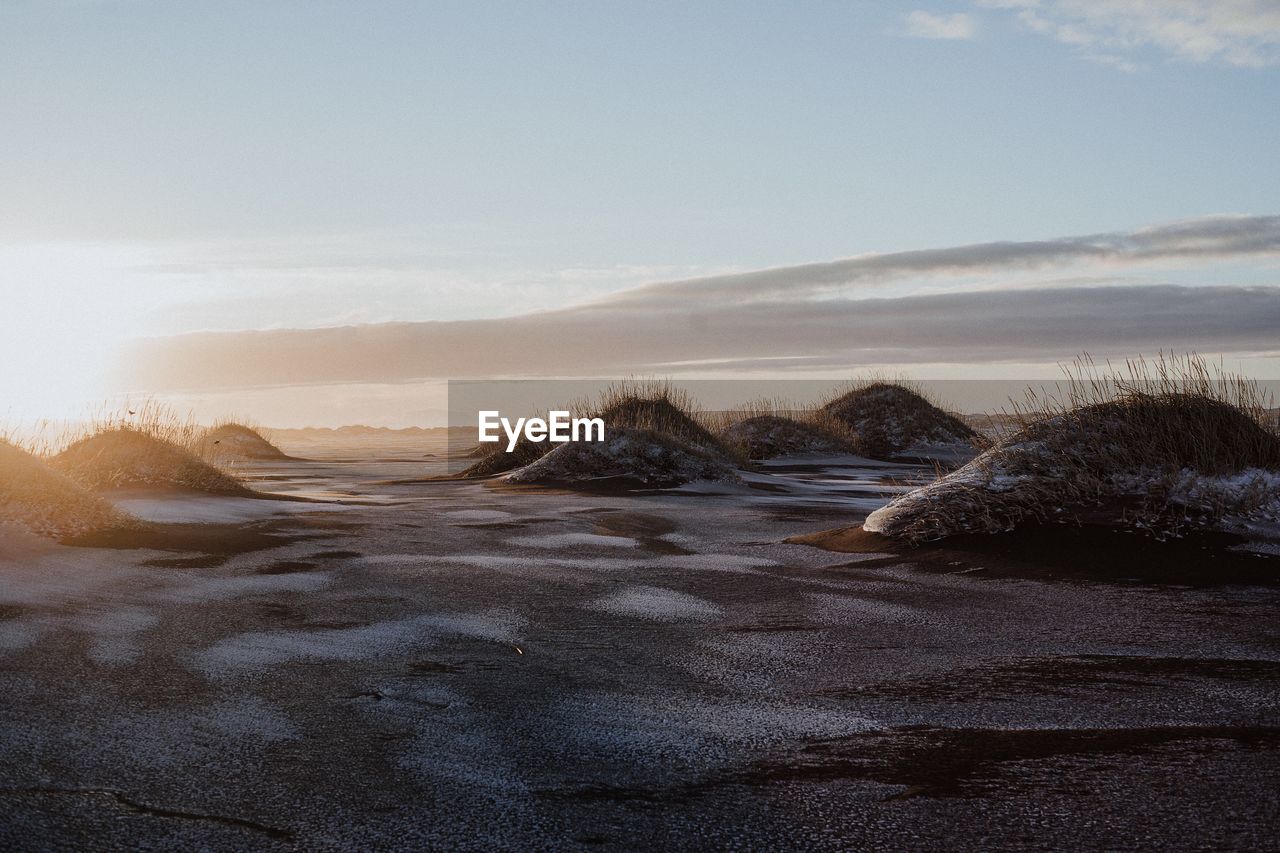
pixel 230 442
pixel 45 501
pixel 1146 462
pixel 889 418
pixel 124 457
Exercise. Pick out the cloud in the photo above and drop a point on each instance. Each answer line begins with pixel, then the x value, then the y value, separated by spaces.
pixel 925 25
pixel 973 327
pixel 796 318
pixel 1117 62
pixel 1243 33
pixel 1211 237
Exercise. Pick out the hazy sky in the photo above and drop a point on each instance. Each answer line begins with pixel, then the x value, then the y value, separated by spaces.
pixel 175 167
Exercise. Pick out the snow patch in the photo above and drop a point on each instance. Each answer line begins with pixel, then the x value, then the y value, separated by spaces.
pixel 570 540
pixel 656 604
pixel 259 650
pixel 477 515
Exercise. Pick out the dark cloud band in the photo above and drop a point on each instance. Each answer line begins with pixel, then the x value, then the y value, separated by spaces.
pixel 972 327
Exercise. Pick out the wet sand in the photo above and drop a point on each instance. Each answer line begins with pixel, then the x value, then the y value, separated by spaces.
pixel 454 665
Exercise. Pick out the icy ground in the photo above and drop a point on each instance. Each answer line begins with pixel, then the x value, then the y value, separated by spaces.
pixel 461 665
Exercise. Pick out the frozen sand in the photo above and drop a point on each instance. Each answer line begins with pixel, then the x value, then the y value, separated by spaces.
pixel 473 667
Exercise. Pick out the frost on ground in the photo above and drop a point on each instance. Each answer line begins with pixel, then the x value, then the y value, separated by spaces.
pixel 254 652
pixel 570 540
pixel 678 728
pixel 195 589
pixel 626 455
pixel 435 685
pixel 477 515
pixel 1143 463
pixel 656 605
pixel 167 507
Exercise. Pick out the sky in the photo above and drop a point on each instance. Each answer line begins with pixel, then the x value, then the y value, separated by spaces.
pixel 369 195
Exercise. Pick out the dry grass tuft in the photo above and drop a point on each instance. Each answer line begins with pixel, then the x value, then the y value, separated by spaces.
pixel 1180 408
pixel 146 444
pixel 654 406
pixel 46 502
pixel 1155 445
pixel 149 417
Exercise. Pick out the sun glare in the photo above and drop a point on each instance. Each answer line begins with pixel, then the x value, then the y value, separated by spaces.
pixel 64 314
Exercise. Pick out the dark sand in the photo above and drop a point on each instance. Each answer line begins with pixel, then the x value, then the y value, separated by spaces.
pixel 450 665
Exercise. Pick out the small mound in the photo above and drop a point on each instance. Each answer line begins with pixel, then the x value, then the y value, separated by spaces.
pixel 494 458
pixel 122 458
pixel 890 419
pixel 627 456
pixel 48 503
pixel 770 436
pixel 237 442
pixel 1157 463
pixel 658 412
pixel 480 451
